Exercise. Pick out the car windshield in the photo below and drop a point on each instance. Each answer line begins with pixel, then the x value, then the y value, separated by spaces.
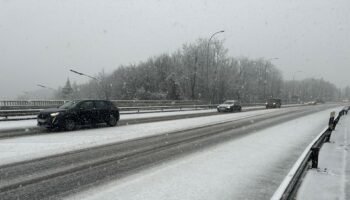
pixel 68 105
pixel 229 102
pixel 273 100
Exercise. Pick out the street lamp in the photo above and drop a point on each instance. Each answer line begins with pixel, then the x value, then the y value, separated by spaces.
pixel 208 45
pixel 293 91
pixel 265 81
pixel 46 87
pixel 99 81
pixel 82 74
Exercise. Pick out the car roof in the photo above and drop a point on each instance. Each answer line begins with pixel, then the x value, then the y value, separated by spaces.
pixel 81 100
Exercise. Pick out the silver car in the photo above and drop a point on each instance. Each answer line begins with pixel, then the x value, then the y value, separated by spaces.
pixel 230 106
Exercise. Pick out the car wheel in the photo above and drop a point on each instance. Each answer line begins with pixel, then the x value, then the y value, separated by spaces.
pixel 112 121
pixel 69 124
pixel 49 129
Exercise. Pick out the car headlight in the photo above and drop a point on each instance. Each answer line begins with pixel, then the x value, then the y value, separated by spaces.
pixel 54 114
pixel 274 103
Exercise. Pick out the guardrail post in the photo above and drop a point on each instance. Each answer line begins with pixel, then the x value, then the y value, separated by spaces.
pixel 314 156
pixel 331 121
pixel 336 120
pixel 328 135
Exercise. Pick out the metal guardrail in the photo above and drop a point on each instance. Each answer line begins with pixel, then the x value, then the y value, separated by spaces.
pixel 132 109
pixel 140 109
pixel 39 104
pixel 309 159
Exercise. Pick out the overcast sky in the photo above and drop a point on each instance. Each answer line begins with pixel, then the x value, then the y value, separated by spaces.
pixel 40 40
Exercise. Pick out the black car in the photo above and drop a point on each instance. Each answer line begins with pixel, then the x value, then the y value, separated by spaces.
pixel 230 106
pixel 82 112
pixel 273 103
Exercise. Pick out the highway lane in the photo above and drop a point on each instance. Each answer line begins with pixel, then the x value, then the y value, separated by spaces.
pixel 41 145
pixel 249 167
pixel 10 129
pixel 25 128
pixel 152 149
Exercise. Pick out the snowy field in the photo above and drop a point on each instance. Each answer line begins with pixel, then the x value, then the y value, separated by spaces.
pixel 29 147
pixel 250 167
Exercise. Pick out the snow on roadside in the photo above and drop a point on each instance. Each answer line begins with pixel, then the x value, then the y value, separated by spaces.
pixel 18 124
pixel 331 179
pixel 249 167
pixel 30 147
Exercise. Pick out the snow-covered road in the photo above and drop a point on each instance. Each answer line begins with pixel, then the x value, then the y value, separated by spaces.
pixel 249 167
pixel 30 147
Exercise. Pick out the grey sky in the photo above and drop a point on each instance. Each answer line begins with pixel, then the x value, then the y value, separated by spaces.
pixel 40 40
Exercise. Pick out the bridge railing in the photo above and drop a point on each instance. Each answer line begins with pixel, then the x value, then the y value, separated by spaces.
pixel 25 108
pixel 8 105
pixel 309 159
pixel 41 104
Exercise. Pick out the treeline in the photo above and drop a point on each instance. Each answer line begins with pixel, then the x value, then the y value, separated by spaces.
pixel 200 71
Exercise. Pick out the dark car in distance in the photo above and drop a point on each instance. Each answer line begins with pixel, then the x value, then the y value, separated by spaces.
pixel 273 103
pixel 82 112
pixel 230 106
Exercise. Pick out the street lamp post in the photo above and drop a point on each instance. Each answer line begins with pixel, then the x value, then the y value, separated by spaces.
pixel 265 81
pixel 53 91
pixel 99 81
pixel 208 45
pixel 293 91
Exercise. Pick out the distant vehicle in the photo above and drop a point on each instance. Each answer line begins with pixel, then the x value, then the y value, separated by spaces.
pixel 83 112
pixel 311 103
pixel 319 101
pixel 230 106
pixel 273 103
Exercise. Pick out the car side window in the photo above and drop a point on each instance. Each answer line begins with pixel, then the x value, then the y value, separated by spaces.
pixel 101 105
pixel 87 105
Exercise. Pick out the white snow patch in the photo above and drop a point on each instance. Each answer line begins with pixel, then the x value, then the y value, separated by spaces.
pixel 330 180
